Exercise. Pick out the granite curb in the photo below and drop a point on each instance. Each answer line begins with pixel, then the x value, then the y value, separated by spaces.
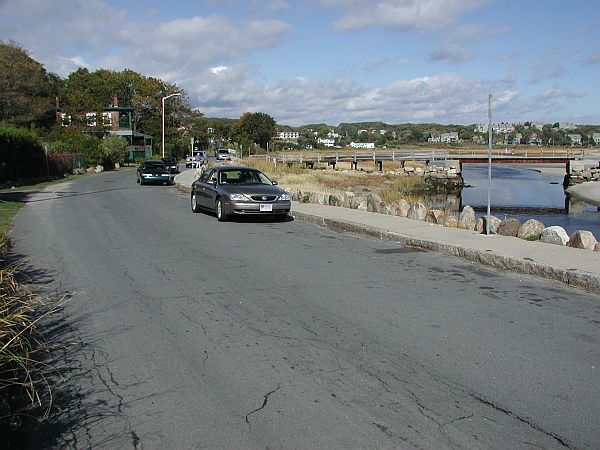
pixel 576 278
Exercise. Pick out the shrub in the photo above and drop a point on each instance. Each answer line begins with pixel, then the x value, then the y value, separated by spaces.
pixel 113 150
pixel 21 154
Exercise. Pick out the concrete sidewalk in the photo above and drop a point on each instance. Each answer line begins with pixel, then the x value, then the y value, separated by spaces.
pixel 575 267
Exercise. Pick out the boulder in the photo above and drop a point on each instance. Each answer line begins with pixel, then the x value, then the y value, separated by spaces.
pixel 554 235
pixel 334 200
pixel 99 168
pixel 417 211
pixel 509 227
pixel 467 219
pixel 348 198
pixel 375 204
pixel 597 247
pixel 451 222
pixel 435 216
pixel 356 201
pixel 482 224
pixel 531 230
pixel 400 208
pixel 317 198
pixel 362 204
pixel 582 239
pixel 577 166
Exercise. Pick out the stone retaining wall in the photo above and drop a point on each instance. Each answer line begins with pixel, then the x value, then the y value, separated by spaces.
pixel 531 230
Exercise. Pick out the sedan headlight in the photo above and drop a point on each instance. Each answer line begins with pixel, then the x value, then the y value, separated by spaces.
pixel 284 197
pixel 238 198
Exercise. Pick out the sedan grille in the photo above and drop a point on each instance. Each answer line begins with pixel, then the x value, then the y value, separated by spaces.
pixel 264 198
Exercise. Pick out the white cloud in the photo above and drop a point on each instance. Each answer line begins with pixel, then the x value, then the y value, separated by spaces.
pixel 477 32
pixel 49 28
pixel 182 47
pixel 401 15
pixel 452 53
pixel 383 63
pixel 443 98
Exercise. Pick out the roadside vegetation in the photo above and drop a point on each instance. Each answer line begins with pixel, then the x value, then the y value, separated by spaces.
pixel 320 180
pixel 22 348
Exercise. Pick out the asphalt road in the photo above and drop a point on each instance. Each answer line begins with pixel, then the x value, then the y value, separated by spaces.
pixel 182 332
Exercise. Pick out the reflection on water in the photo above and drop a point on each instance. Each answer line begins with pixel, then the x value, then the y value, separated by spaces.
pixel 523 194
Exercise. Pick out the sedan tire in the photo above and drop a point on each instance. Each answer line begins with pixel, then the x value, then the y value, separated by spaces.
pixel 195 206
pixel 221 216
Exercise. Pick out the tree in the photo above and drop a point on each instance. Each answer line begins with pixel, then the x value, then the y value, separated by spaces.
pixel 28 91
pixel 113 150
pixel 258 128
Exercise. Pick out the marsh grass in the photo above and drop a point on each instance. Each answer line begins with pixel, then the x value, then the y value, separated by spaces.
pixel 298 178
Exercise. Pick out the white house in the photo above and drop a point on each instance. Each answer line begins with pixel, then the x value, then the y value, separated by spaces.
pixel 326 142
pixel 362 144
pixel 288 135
pixel 575 139
pixel 596 138
pixel 446 138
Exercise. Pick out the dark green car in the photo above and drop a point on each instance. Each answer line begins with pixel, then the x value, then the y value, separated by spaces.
pixel 154 172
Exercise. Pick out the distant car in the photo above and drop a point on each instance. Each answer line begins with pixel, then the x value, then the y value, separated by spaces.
pixel 237 190
pixel 222 154
pixel 171 163
pixel 154 171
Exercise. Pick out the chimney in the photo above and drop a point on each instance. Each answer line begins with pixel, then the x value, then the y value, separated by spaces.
pixel 115 102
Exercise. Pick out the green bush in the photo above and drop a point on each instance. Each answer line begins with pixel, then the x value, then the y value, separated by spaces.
pixel 74 142
pixel 21 154
pixel 113 150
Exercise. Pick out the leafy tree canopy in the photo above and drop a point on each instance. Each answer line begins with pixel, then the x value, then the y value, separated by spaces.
pixel 28 91
pixel 258 128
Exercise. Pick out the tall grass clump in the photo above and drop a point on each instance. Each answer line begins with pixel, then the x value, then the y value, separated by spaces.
pixel 21 346
pixel 401 187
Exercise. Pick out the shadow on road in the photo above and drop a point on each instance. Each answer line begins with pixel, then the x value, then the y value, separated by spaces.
pixel 76 388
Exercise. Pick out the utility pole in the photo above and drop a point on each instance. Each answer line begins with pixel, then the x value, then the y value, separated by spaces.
pixel 489 192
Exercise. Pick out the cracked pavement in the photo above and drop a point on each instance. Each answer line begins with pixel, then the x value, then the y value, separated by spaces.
pixel 251 334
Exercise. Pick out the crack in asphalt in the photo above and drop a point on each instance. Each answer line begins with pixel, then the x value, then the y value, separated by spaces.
pixel 135 439
pixel 265 400
pixel 562 441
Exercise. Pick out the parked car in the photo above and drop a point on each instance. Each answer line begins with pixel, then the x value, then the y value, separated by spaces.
pixel 154 171
pixel 171 163
pixel 222 154
pixel 238 190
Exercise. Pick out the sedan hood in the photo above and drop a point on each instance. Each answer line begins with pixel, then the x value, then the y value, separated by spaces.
pixel 252 189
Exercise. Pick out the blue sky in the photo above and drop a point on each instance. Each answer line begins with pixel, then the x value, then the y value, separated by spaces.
pixel 332 61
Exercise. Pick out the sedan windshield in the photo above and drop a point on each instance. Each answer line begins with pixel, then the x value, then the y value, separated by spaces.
pixel 243 177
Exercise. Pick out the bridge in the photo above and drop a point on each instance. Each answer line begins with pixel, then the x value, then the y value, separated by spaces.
pixel 429 157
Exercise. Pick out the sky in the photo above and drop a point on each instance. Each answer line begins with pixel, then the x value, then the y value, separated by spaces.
pixel 333 61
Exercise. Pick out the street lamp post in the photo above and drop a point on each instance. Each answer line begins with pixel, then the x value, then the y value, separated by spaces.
pixel 163 120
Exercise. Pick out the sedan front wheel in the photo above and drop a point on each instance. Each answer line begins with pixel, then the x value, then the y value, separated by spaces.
pixel 221 216
pixel 195 206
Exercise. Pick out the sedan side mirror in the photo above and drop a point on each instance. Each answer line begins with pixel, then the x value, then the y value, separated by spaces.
pixel 274 183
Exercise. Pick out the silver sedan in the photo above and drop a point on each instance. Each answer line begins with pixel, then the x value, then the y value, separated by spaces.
pixel 233 190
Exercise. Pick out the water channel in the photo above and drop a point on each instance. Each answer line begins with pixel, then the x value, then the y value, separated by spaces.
pixel 523 193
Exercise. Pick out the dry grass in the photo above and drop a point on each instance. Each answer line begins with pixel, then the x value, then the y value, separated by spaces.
pixel 298 178
pixel 21 346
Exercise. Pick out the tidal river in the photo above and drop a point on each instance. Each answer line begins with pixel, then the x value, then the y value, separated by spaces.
pixel 524 194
